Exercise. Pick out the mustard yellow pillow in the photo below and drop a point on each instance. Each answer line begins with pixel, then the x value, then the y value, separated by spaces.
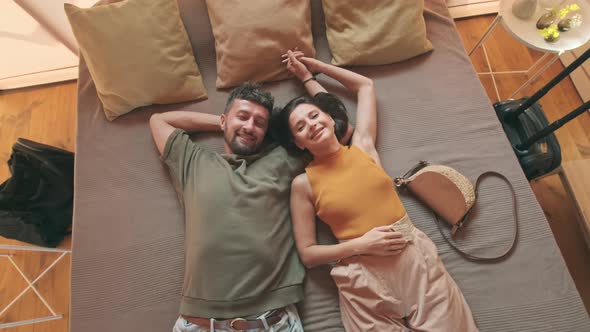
pixel 251 35
pixel 375 32
pixel 138 53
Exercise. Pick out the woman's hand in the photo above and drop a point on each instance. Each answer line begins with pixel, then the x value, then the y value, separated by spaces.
pixel 295 66
pixel 313 65
pixel 381 241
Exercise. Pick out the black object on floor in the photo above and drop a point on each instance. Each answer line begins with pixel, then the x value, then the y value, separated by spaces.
pixel 36 201
pixel 528 130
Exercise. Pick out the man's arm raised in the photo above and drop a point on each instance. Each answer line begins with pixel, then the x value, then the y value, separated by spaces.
pixel 163 124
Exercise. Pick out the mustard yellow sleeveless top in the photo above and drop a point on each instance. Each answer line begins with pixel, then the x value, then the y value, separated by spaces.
pixel 352 193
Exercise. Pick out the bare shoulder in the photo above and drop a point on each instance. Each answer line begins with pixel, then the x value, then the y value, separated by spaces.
pixel 301 181
pixel 301 185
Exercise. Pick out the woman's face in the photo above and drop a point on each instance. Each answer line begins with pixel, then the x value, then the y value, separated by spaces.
pixel 310 126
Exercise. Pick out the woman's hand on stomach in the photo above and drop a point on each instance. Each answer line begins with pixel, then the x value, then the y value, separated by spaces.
pixel 381 241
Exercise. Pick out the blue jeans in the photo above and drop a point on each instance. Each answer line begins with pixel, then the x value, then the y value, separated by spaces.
pixel 290 322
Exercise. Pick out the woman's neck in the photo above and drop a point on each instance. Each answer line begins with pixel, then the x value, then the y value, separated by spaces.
pixel 327 150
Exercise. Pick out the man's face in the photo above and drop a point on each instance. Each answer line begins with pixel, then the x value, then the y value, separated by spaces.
pixel 244 126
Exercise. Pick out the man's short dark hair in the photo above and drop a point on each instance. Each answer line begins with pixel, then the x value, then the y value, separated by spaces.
pixel 251 92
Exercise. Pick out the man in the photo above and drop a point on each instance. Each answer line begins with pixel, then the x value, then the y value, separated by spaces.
pixel 242 271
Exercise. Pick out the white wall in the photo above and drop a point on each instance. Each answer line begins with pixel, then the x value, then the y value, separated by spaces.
pixel 36 43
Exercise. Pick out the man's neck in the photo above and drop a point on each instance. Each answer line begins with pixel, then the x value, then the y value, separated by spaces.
pixel 227 149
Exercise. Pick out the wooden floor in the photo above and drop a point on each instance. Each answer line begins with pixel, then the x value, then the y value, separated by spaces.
pixel 507 54
pixel 44 114
pixel 47 114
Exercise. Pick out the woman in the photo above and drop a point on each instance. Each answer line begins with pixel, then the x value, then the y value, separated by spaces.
pixel 388 273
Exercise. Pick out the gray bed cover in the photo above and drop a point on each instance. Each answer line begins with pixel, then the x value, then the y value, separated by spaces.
pixel 128 225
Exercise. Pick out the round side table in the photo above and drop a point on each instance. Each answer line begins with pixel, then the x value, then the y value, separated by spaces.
pixel 525 31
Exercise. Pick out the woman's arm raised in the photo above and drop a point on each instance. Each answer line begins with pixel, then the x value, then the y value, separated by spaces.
pixel 365 133
pixel 308 80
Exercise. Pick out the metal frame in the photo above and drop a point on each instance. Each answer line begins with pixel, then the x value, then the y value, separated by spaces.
pixel 485 36
pixel 31 284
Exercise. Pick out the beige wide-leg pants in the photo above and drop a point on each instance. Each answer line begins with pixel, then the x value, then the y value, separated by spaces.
pixel 411 291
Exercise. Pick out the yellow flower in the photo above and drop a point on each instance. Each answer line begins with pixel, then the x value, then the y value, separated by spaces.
pixel 562 13
pixel 550 32
pixel 573 7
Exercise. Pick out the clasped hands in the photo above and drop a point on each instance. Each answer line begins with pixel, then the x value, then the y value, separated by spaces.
pixel 299 65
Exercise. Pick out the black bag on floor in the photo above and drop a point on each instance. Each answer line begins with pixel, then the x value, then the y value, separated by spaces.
pixel 36 201
pixel 528 130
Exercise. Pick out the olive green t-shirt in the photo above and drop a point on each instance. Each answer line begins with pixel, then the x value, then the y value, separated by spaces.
pixel 240 254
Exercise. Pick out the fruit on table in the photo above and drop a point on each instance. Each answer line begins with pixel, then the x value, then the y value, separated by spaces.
pixel 546 20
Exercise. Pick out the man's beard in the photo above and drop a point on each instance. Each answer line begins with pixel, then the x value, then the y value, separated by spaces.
pixel 241 149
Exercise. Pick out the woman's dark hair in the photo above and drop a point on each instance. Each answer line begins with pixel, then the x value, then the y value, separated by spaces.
pixel 326 102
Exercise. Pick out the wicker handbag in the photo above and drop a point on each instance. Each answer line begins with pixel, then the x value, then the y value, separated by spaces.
pixel 451 196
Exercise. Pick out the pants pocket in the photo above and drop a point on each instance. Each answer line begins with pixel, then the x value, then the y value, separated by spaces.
pixel 293 320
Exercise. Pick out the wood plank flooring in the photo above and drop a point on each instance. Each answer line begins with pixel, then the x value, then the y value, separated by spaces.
pixel 507 54
pixel 44 114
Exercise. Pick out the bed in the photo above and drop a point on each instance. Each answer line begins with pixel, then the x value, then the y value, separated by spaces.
pixel 127 260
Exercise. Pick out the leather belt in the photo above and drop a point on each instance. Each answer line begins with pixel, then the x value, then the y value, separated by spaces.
pixel 237 324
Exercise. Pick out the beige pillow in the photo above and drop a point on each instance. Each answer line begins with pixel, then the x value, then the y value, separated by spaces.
pixel 138 53
pixel 375 32
pixel 251 35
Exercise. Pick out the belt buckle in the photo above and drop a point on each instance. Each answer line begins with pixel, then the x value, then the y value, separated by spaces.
pixel 235 320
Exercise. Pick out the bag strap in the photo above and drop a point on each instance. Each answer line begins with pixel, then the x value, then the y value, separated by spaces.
pixel 465 218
